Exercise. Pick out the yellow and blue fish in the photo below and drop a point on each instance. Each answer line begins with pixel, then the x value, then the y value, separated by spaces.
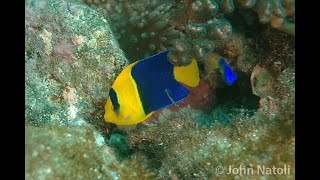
pixel 147 86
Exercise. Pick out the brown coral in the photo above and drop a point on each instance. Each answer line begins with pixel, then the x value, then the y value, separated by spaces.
pixel 280 13
pixel 261 81
pixel 142 28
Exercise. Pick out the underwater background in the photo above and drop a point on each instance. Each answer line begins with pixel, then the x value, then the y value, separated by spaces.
pixel 74 50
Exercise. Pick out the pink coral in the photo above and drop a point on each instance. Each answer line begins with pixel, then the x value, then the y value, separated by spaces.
pixel 69 94
pixel 200 97
pixel 64 51
pixel 29 17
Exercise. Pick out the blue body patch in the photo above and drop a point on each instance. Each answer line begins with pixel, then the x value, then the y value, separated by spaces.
pixel 229 75
pixel 155 81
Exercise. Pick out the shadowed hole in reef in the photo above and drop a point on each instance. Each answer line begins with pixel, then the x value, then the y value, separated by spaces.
pixel 119 142
pixel 232 101
pixel 153 152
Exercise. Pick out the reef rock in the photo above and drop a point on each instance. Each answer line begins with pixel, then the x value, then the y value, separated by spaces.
pixel 66 151
pixel 261 81
pixel 71 61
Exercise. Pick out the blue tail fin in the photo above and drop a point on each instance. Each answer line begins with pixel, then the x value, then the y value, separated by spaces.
pixel 228 74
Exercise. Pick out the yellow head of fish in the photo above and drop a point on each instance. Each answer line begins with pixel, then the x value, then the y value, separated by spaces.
pixel 123 106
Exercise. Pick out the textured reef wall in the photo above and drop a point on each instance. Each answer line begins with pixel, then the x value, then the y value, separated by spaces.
pixel 74 50
pixel 72 58
pixel 192 28
pixel 75 152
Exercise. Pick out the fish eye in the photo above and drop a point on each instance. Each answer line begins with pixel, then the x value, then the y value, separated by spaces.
pixel 114 100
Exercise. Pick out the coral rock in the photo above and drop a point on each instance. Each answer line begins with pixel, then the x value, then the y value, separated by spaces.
pixel 72 59
pixel 261 81
pixel 68 151
pixel 75 152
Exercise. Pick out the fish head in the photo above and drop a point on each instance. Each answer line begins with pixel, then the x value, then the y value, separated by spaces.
pixel 113 110
pixel 121 111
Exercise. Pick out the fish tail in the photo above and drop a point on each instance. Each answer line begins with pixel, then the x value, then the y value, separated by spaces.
pixel 188 75
pixel 228 74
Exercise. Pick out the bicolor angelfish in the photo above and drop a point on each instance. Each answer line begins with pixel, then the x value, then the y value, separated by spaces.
pixel 146 86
